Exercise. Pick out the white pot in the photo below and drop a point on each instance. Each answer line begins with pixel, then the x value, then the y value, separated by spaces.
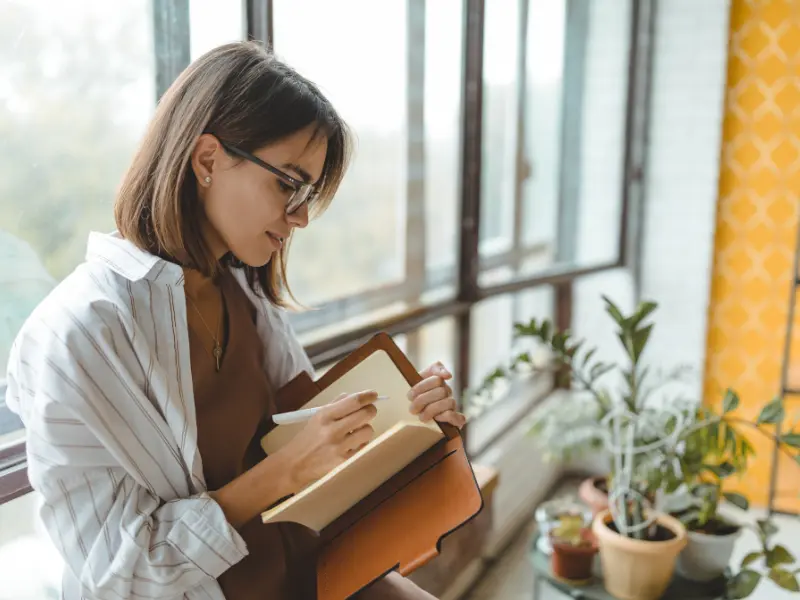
pixel 706 557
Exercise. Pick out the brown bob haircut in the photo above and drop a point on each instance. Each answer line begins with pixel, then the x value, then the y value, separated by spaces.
pixel 246 97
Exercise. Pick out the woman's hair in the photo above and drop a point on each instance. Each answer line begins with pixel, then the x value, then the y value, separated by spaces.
pixel 246 97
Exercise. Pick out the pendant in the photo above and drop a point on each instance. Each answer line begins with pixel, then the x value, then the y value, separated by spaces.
pixel 217 354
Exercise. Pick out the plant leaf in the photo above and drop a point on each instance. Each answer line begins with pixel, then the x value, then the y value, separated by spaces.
pixel 730 402
pixel 767 527
pixel 588 356
pixel 743 584
pixel 784 579
pixel 779 555
pixel 771 413
pixel 643 311
pixel 612 309
pixel 640 338
pixel 750 558
pixel 791 439
pixel 737 500
pixel 722 470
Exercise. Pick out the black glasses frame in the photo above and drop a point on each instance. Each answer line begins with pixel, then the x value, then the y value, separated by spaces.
pixel 303 193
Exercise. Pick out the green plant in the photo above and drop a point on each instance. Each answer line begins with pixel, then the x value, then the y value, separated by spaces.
pixel 707 446
pixel 774 559
pixel 570 529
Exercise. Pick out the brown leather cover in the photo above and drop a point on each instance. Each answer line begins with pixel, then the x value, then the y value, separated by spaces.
pixel 401 524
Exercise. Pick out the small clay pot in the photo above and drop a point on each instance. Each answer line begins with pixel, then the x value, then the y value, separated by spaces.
pixel 593 497
pixel 573 563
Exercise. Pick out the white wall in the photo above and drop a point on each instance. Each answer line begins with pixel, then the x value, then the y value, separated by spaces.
pixel 680 193
pixel 683 168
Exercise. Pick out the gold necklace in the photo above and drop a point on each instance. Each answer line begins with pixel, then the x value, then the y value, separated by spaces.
pixel 217 350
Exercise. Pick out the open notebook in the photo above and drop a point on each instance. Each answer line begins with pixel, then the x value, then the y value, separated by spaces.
pixel 400 438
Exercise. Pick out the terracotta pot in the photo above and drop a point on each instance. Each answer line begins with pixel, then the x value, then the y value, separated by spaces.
pixel 596 500
pixel 636 569
pixel 573 563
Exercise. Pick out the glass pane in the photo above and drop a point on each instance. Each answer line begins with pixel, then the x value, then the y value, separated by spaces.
pixel 492 345
pixel 443 42
pixel 76 102
pixel 543 113
pixel 214 23
pixel 492 327
pixel 500 122
pixel 30 565
pixel 602 149
pixel 576 77
pixel 359 243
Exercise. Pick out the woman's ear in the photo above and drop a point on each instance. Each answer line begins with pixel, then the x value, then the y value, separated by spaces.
pixel 205 151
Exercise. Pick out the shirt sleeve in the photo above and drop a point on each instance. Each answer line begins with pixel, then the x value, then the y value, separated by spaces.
pixel 117 535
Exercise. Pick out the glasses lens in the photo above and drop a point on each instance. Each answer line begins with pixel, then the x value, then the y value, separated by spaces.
pixel 299 197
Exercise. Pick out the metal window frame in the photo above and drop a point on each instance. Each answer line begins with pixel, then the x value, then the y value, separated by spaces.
pixel 13 477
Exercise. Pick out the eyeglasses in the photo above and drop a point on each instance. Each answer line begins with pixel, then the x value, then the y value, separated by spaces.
pixel 302 192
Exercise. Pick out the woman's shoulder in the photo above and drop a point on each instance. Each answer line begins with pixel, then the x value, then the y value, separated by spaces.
pixel 90 298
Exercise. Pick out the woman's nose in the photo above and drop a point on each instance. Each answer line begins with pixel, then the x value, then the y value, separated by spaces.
pixel 299 218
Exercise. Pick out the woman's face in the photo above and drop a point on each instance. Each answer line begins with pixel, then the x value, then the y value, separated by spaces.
pixel 245 203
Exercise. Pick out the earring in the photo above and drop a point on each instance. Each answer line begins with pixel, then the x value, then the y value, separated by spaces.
pixel 207 179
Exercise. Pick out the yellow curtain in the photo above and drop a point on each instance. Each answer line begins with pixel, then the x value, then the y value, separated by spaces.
pixel 756 228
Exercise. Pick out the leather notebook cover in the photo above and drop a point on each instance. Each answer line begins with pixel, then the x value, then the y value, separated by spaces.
pixel 389 506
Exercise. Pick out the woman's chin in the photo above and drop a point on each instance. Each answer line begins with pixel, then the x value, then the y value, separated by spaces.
pixel 254 259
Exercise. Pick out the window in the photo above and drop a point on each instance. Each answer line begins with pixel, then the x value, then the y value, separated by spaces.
pixel 399 199
pixel 555 83
pixel 75 102
pixel 546 92
pixel 30 565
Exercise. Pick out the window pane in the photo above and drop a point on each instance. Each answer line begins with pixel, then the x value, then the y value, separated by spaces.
pixel 30 566
pixel 500 122
pixel 76 101
pixel 388 243
pixel 492 345
pixel 543 113
pixel 359 243
pixel 576 77
pixel 443 43
pixel 214 23
pixel 602 149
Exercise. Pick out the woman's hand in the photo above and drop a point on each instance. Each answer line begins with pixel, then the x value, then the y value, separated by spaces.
pixel 330 437
pixel 432 398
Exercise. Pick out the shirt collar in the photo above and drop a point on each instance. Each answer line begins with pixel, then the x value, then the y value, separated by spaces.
pixel 131 262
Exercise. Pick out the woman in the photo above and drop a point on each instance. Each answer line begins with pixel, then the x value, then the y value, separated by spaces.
pixel 145 379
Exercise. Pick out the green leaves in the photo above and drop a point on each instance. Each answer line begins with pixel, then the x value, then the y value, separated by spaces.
pixel 730 402
pixel 784 579
pixel 614 311
pixel 766 528
pixel 722 471
pixel 791 439
pixel 751 558
pixel 737 500
pixel 772 413
pixel 779 556
pixel 640 337
pixel 743 584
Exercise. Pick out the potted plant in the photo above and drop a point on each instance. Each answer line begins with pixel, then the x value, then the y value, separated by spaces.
pixel 638 543
pixel 574 547
pixel 713 452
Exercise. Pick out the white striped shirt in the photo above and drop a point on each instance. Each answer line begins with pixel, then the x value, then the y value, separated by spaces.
pixel 100 375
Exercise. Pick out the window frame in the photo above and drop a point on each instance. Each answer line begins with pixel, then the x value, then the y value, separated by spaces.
pixel 169 15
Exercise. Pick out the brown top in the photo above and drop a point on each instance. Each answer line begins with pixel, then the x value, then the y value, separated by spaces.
pixel 233 407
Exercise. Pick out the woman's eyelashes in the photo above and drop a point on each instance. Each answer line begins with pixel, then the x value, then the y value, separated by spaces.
pixel 285 187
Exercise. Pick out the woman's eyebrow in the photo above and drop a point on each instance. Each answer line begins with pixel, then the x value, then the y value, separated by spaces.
pixel 304 175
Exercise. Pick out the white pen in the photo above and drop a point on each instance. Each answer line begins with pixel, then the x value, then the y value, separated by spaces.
pixel 298 416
